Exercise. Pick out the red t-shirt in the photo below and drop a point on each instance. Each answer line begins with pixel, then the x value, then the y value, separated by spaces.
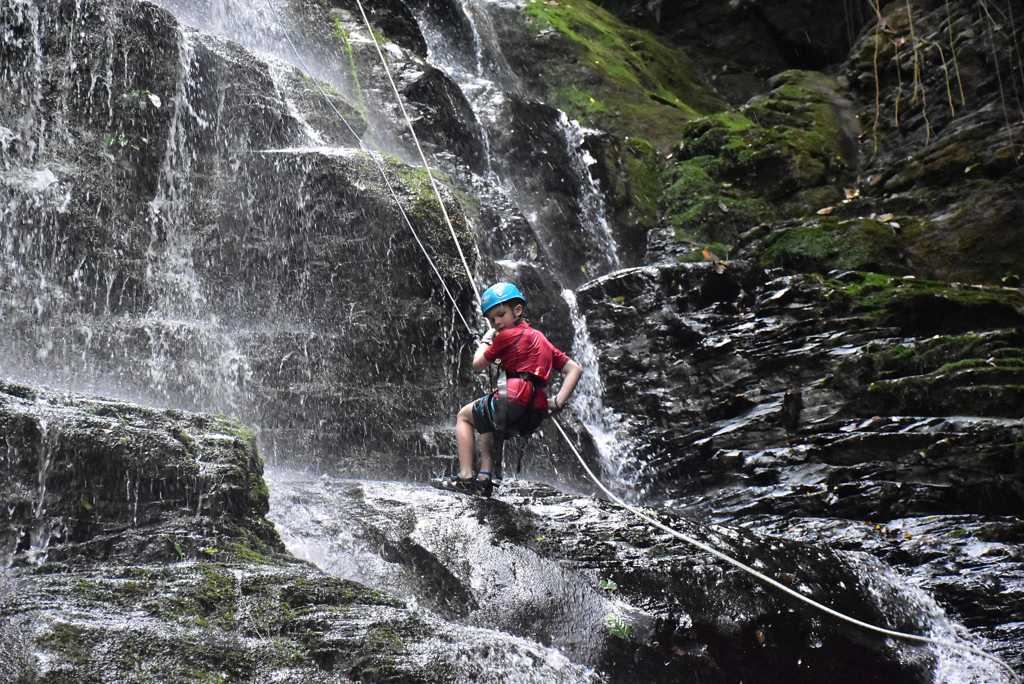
pixel 524 349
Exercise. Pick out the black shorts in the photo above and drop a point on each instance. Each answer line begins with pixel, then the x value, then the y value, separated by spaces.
pixel 495 413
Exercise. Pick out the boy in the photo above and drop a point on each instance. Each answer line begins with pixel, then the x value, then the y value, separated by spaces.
pixel 527 358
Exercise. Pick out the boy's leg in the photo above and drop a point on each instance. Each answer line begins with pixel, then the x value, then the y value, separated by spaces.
pixel 464 440
pixel 487 453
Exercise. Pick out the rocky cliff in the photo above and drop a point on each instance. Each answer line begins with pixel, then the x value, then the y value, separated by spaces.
pixel 794 242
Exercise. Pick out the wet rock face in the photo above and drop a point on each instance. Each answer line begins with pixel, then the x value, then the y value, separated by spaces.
pixel 393 18
pixel 938 162
pixel 95 479
pixel 740 44
pixel 582 576
pixel 208 262
pixel 134 541
pixel 446 119
pixel 826 401
pixel 943 160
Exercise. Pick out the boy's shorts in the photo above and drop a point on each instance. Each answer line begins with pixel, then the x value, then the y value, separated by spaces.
pixel 494 413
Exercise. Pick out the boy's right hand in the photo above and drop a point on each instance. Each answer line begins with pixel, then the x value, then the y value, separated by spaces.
pixel 488 336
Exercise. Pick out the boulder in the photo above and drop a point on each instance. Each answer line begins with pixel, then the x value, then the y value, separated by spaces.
pixel 587 578
pixel 135 546
pixel 766 398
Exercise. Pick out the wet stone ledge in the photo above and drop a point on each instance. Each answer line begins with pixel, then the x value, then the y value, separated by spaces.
pixel 136 549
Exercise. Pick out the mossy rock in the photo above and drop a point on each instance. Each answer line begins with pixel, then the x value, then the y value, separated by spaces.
pixel 976 387
pixel 828 244
pixel 943 353
pixel 623 79
pixel 980 374
pixel 782 155
pixel 795 137
pixel 701 208
pixel 974 237
pixel 925 307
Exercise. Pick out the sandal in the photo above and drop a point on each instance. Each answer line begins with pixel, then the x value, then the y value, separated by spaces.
pixel 484 485
pixel 456 484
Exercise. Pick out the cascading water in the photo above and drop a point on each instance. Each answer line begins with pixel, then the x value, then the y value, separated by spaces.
pixel 169 255
pixel 592 206
pixel 604 425
pixel 275 342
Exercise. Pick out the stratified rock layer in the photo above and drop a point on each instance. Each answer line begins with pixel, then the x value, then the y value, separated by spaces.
pixel 807 403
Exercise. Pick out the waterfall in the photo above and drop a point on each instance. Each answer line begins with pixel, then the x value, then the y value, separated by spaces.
pixel 593 214
pixel 604 425
pixel 169 255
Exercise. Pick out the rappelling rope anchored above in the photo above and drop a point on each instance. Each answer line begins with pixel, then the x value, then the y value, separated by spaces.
pixel 956 646
pixel 387 182
pixel 423 157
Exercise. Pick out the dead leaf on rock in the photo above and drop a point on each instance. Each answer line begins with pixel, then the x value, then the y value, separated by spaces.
pixel 714 259
pixel 852 193
pixel 825 211
pixel 885 218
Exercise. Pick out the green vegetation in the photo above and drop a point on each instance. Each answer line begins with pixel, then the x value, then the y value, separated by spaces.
pixel 828 243
pixel 919 306
pixel 579 103
pixel 618 627
pixel 948 353
pixel 340 33
pixel 979 373
pixel 384 638
pixel 331 591
pixel 629 77
pixel 245 552
pixel 182 436
pixel 643 178
pixel 119 592
pixel 778 157
pixel 71 641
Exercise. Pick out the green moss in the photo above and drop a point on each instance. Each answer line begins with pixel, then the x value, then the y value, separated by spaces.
pixel 643 179
pixel 243 433
pixel 245 552
pixel 70 641
pixel 217 596
pixel 117 592
pixel 781 156
pixel 304 593
pixel 637 80
pixel 384 638
pixel 703 208
pixel 580 104
pixel 954 308
pixel 340 33
pixel 826 244
pixel 179 434
pixel 211 600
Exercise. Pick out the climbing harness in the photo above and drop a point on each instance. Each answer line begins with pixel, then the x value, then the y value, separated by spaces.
pixel 696 543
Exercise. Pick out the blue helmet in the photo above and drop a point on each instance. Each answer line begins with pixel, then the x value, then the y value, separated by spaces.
pixel 499 293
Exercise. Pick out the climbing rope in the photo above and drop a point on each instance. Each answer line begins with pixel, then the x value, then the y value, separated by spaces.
pixel 423 157
pixel 964 648
pixel 387 182
pixel 956 646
